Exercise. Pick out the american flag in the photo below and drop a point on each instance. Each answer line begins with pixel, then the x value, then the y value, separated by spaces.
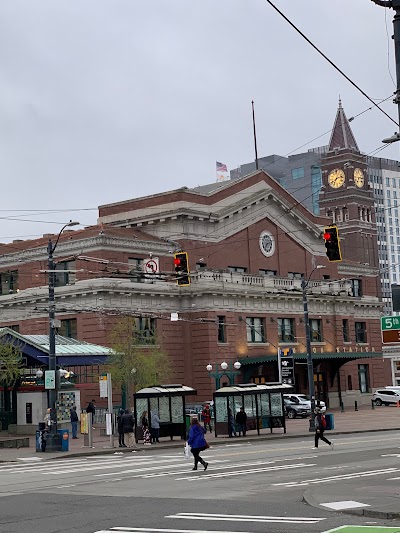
pixel 221 167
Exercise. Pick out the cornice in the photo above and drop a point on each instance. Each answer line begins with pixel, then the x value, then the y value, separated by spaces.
pixel 77 247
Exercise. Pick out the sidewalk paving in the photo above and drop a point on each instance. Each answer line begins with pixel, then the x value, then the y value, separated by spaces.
pixel 382 505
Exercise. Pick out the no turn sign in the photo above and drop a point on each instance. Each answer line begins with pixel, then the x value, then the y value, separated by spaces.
pixel 151 265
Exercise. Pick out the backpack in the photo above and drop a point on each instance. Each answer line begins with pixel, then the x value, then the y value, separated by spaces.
pixel 323 422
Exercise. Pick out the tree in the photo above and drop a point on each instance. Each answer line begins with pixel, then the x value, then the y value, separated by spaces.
pixel 137 360
pixel 10 363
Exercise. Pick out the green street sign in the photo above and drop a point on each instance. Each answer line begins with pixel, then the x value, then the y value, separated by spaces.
pixel 364 529
pixel 390 323
pixel 50 379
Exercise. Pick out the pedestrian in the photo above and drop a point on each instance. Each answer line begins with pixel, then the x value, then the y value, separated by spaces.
pixel 74 421
pixel 241 421
pixel 121 439
pixel 206 416
pixel 320 425
pixel 145 428
pixel 231 423
pixel 197 442
pixel 91 408
pixel 155 426
pixel 128 425
pixel 47 419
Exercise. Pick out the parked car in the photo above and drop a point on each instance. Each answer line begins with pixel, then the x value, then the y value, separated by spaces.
pixel 303 398
pixel 296 408
pixel 386 396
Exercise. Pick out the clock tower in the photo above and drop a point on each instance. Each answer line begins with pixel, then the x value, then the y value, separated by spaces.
pixel 346 197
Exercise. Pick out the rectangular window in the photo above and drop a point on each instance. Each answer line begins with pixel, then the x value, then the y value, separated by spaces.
pixel 145 330
pixel 68 328
pixel 135 265
pixel 356 287
pixel 297 173
pixel 255 329
pixel 240 270
pixel 361 332
pixel 9 282
pixel 363 377
pixel 221 329
pixel 345 330
pixel 316 330
pixel 286 331
pixel 15 327
pixel 63 277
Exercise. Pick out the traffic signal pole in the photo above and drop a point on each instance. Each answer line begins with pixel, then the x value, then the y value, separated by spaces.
pixel 394 4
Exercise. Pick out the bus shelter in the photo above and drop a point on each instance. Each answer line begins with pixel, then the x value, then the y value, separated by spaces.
pixel 169 401
pixel 263 404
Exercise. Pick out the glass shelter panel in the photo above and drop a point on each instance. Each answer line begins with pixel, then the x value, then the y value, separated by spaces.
pixel 141 406
pixel 177 409
pixel 221 411
pixel 276 404
pixel 163 413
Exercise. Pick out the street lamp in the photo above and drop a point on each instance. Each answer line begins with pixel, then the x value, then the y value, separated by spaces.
pixel 310 365
pixel 52 330
pixel 229 370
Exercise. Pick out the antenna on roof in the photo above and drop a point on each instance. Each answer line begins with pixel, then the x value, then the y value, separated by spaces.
pixel 255 135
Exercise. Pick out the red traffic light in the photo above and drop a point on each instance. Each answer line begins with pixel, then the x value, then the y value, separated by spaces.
pixel 327 236
pixel 177 261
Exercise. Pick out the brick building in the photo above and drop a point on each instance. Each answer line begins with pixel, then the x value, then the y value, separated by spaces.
pixel 250 244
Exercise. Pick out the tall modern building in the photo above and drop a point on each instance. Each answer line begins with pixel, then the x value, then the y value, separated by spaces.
pixel 303 176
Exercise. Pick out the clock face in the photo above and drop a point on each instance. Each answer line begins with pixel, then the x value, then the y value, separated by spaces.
pixel 358 177
pixel 267 243
pixel 336 178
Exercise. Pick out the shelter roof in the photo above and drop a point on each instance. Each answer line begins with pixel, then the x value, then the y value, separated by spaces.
pixel 166 390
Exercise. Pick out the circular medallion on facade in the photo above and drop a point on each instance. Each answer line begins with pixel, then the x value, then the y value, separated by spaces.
pixel 267 243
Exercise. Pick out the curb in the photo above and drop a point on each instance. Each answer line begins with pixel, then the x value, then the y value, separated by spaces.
pixel 177 444
pixel 370 513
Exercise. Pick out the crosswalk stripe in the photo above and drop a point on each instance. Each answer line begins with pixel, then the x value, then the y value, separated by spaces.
pixel 155 467
pixel 97 466
pixel 244 472
pixel 341 477
pixel 247 518
pixel 168 530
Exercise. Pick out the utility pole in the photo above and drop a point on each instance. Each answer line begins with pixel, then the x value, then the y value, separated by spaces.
pixel 254 135
pixel 394 4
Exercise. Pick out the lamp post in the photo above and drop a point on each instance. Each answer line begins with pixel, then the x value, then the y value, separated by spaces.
pixel 310 365
pixel 52 330
pixel 229 370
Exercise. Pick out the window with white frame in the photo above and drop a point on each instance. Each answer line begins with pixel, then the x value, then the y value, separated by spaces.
pixel 255 328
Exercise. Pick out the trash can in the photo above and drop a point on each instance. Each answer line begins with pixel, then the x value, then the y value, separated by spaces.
pixel 330 421
pixel 64 434
pixel 40 437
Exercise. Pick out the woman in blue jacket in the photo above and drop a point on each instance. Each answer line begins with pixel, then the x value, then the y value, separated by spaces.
pixel 197 442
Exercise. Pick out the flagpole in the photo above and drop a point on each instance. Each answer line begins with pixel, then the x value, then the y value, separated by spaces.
pixel 255 135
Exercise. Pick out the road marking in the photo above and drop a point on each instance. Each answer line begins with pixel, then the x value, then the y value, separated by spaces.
pixel 345 504
pixel 363 529
pixel 98 466
pixel 244 472
pixel 247 518
pixel 134 471
pixel 342 477
pixel 155 530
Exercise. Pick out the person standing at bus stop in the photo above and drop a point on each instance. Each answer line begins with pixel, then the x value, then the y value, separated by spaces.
pixel 74 421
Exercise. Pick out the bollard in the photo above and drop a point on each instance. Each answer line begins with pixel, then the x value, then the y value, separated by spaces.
pixel 372 404
pixel 355 406
pixel 342 407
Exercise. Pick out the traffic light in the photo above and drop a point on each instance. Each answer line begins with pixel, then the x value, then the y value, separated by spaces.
pixel 332 243
pixel 181 265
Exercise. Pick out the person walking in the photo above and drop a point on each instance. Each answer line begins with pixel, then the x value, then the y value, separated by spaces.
pixel 320 425
pixel 155 426
pixel 231 423
pixel 206 416
pixel 241 421
pixel 91 409
pixel 145 427
pixel 74 421
pixel 197 442
pixel 121 437
pixel 128 425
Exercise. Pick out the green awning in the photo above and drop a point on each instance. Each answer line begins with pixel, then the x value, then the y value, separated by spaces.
pixel 350 356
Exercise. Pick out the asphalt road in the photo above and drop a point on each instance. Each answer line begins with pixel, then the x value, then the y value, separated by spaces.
pixel 248 487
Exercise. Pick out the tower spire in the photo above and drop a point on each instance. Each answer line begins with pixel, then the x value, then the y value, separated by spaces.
pixel 342 137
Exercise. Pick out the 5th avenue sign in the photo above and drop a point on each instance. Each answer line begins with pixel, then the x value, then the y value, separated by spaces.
pixel 390 327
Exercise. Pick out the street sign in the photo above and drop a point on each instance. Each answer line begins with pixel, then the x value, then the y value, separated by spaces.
pixel 287 366
pixel 50 379
pixel 151 265
pixel 103 386
pixel 390 328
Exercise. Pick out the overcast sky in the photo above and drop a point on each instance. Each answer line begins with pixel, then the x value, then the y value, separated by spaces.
pixel 105 100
